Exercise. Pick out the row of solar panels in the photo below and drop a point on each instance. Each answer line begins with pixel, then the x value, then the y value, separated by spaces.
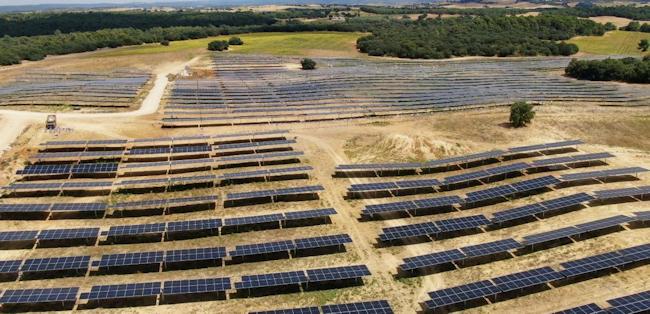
pixel 629 304
pixel 160 140
pixel 521 281
pixel 519 167
pixel 503 246
pixel 186 287
pixel 158 230
pixel 366 307
pixel 461 159
pixel 139 261
pixel 505 216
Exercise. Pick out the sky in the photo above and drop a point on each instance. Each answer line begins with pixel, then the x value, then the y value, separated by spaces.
pixel 30 2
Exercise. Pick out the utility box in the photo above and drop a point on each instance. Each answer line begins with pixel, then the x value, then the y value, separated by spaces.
pixel 50 123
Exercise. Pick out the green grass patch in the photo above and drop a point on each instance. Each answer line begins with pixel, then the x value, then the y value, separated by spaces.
pixel 612 43
pixel 307 43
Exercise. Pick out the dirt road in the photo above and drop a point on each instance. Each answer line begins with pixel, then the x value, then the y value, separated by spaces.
pixel 14 122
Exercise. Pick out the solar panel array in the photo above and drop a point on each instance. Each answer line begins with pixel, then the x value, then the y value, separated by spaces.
pixel 302 277
pixel 444 298
pixel 368 307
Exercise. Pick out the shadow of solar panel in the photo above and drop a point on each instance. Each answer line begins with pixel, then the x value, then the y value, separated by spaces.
pixel 127 259
pixel 190 225
pixel 124 291
pixel 460 294
pixel 408 231
pixel 567 201
pixel 31 296
pixel 462 223
pixel 136 229
pixel 526 279
pixel 490 248
pixel 302 310
pixel 322 241
pixel 370 307
pixel 431 260
pixel 592 264
pixel 337 273
pixel 63 234
pixel 312 213
pixel 56 263
pixel 24 208
pixel 198 254
pixel 262 248
pixel 591 308
pixel 194 286
pixel 271 280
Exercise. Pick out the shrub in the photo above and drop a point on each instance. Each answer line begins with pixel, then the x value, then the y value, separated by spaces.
pixel 235 41
pixel 521 113
pixel 165 42
pixel 308 64
pixel 218 45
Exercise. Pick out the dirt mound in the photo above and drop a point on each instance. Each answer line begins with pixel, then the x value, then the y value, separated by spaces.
pixel 399 147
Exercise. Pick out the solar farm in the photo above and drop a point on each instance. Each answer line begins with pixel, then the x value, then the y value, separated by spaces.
pixel 247 89
pixel 118 89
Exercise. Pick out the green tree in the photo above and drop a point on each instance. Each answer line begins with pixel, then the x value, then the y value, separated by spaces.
pixel 235 41
pixel 644 45
pixel 218 45
pixel 308 64
pixel 521 113
pixel 164 42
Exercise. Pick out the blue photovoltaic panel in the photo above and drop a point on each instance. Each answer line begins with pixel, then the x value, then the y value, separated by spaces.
pixel 433 259
pixel 337 273
pixel 323 241
pixel 437 202
pixel 526 279
pixel 45 169
pixel 24 208
pixel 271 280
pixel 62 234
pixel 490 248
pixel 189 225
pixel 462 223
pixel 534 184
pixel 56 263
pixel 95 168
pixel 629 299
pixel 136 229
pixel 592 264
pixel 262 248
pixel 373 186
pixel 604 223
pixel 389 207
pixel 198 254
pixel 10 267
pixel 124 291
pixel 126 259
pixel 7 236
pixel 368 307
pixel 460 294
pixel 591 308
pixel 193 286
pixel 491 193
pixel 312 213
pixel 567 201
pixel 301 310
pixel 517 213
pixel 31 296
pixel 408 231
pixel 79 207
pixel 616 193
pixel 602 174
pixel 239 221
pixel 550 235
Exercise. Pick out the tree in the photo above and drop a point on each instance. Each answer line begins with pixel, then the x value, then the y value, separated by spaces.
pixel 521 113
pixel 218 45
pixel 634 26
pixel 308 64
pixel 235 41
pixel 164 42
pixel 644 45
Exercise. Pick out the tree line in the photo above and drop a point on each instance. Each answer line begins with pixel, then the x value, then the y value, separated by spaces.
pixel 631 70
pixel 478 36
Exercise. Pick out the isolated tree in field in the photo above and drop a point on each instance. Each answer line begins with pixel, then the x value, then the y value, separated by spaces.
pixel 235 41
pixel 644 45
pixel 521 113
pixel 218 45
pixel 164 42
pixel 308 64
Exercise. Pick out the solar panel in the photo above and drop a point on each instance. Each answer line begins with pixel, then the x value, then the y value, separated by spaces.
pixel 507 168
pixel 460 294
pixel 63 234
pixel 271 280
pixel 123 291
pixel 490 248
pixel 491 193
pixel 641 297
pixel 10 267
pixel 642 216
pixel 437 202
pixel 408 231
pixel 79 207
pixel 193 286
pixel 44 169
pixel 534 184
pixel 369 307
pixel 302 310
pixel 322 241
pixel 550 235
pixel 631 308
pixel 32 296
pixel 312 213
pixel 192 225
pixel 592 264
pixel 337 273
pixel 433 259
pixel 198 254
pixel 56 264
pixel 8 236
pixel 517 213
pixel 526 279
pixel 566 201
pixel 616 193
pixel 127 259
pixel 24 208
pixel 373 187
pixel 591 308
pixel 462 223
pixel 136 229
pixel 604 223
pixel 464 177
pixel 262 248
pixel 602 173
pixel 95 168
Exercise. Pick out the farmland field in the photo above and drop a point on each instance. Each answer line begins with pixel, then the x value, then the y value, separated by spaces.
pixel 612 43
